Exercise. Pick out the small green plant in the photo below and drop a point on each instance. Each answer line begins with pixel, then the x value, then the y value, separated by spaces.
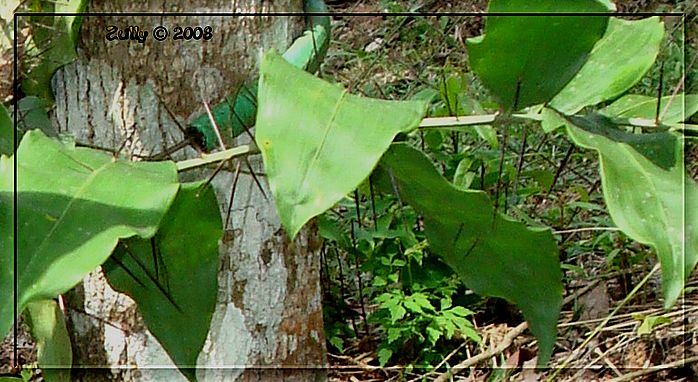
pixel 420 322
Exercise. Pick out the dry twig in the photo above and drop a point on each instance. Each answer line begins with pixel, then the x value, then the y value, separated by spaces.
pixel 506 341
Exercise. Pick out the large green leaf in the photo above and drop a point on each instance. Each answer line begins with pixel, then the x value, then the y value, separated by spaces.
pixel 7 142
pixel 493 254
pixel 52 43
pixel 318 142
pixel 526 60
pixel 644 191
pixel 54 353
pixel 645 107
pixel 73 204
pixel 617 62
pixel 173 278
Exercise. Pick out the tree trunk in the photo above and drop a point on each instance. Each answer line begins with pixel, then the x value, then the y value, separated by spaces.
pixel 124 95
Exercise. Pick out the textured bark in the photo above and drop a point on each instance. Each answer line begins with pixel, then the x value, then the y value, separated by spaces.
pixel 268 321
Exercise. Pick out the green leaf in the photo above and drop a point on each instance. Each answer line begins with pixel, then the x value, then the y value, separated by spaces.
pixel 618 61
pixel 451 90
pixel 463 176
pixel 10 379
pixel 526 60
pixel 73 205
pixel 640 106
pixel 471 333
pixel 544 178
pixel 337 342
pixel 384 355
pixel 493 256
pixel 488 133
pixel 433 334
pixel 427 95
pixel 550 120
pixel 650 322
pixel 422 300
pixel 446 324
pixel 394 334
pixel 33 114
pixel 434 139
pixel 177 296
pixel 413 306
pixel 317 141
pixel 446 303
pixel 52 44
pixel 397 312
pixel 461 311
pixel 379 281
pixel 7 141
pixel 643 182
pixel 54 353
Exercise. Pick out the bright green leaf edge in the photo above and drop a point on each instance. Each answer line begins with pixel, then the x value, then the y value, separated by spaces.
pixel 317 141
pixel 74 204
pixel 641 106
pixel 618 61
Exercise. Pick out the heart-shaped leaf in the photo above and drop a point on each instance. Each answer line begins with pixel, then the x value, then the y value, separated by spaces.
pixel 173 276
pixel 493 254
pixel 527 60
pixel 73 204
pixel 318 142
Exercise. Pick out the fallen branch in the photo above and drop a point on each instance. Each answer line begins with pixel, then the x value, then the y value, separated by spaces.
pixel 506 341
pixel 502 346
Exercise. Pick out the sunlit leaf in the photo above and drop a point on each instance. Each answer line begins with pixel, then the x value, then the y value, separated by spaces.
pixel 618 61
pixel 645 107
pixel 650 322
pixel 73 205
pixel 494 255
pixel 174 279
pixel 526 60
pixel 318 142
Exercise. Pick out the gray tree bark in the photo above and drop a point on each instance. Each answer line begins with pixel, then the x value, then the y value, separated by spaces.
pixel 123 94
